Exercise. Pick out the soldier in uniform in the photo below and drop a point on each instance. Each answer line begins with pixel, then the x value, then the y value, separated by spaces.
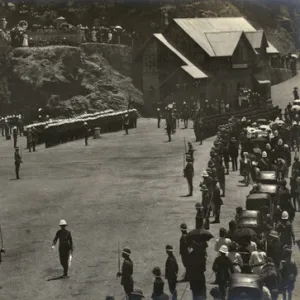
pixel 191 151
pixel 18 161
pixel 201 132
pixel 34 138
pixel 185 115
pixel 126 123
pixel 189 174
pixel 171 271
pixel 127 271
pixel 183 245
pixel 65 246
pixel 86 132
pixel 29 139
pixel 158 118
pixel 200 213
pixel 15 136
pixel 169 122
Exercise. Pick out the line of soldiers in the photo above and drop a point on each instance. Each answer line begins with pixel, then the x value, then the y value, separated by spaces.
pixel 9 122
pixel 65 130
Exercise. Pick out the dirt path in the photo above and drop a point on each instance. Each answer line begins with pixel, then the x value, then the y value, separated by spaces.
pixel 119 189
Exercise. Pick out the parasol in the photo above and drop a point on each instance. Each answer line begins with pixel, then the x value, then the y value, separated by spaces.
pixel 294 56
pixel 244 232
pixel 200 235
pixel 118 27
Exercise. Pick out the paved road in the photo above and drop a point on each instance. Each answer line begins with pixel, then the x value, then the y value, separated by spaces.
pixel 119 189
pixel 282 93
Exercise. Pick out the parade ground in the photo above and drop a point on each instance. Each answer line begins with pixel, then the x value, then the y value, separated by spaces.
pixel 119 189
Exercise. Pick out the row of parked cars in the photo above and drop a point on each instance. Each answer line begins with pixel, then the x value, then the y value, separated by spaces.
pixel 265 195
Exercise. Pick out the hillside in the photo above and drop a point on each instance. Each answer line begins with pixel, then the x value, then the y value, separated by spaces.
pixel 67 80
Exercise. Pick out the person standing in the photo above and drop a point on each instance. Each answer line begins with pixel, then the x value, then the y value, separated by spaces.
pixel 86 133
pixel 171 271
pixel 285 231
pixel 200 214
pixel 127 271
pixel 169 123
pixel 216 203
pixel 158 286
pixel 183 246
pixel 233 150
pixel 126 123
pixel 223 268
pixel 15 136
pixel 34 138
pixel 65 246
pixel 188 173
pixel 289 272
pixel 158 118
pixel 18 161
pixel 190 151
pixel 296 94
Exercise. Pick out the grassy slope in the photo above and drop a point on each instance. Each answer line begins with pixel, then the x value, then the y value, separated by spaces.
pixel 67 79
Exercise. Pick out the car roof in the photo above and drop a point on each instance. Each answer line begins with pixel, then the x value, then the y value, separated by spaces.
pixel 258 196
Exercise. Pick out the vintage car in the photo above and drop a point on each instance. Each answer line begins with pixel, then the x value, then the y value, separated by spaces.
pixel 262 122
pixel 260 142
pixel 267 177
pixel 257 201
pixel 250 219
pixel 248 286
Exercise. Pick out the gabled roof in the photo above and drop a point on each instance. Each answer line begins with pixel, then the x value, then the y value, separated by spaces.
pixel 223 43
pixel 201 30
pixel 271 49
pixel 187 66
pixel 255 38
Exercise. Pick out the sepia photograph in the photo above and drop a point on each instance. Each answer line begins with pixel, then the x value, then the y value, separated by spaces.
pixel 149 149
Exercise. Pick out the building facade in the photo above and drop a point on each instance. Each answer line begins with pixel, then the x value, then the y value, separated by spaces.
pixel 203 59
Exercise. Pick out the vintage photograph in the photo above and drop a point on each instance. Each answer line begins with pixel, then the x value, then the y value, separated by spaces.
pixel 149 149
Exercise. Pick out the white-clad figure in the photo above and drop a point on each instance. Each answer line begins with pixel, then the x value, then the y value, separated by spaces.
pixel 110 36
pixel 25 40
pixel 94 33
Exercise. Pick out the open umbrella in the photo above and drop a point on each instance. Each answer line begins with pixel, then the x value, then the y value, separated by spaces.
pixel 244 232
pixel 200 235
pixel 118 27
pixel 294 56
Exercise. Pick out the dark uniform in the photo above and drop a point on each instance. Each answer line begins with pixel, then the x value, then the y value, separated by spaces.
pixel 86 133
pixel 127 271
pixel 126 123
pixel 189 174
pixel 15 136
pixel 171 271
pixel 183 244
pixel 65 247
pixel 18 161
pixel 169 124
pixel 158 118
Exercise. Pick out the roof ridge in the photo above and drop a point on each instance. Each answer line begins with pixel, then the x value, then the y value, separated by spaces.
pixel 220 32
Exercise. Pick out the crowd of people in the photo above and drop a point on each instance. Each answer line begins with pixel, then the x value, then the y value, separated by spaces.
pixel 245 254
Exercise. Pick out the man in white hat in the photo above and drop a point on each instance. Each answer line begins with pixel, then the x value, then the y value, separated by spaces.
pixel 127 272
pixel 285 230
pixel 65 246
pixel 223 268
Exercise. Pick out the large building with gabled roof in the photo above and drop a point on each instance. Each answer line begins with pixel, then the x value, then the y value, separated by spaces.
pixel 203 59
